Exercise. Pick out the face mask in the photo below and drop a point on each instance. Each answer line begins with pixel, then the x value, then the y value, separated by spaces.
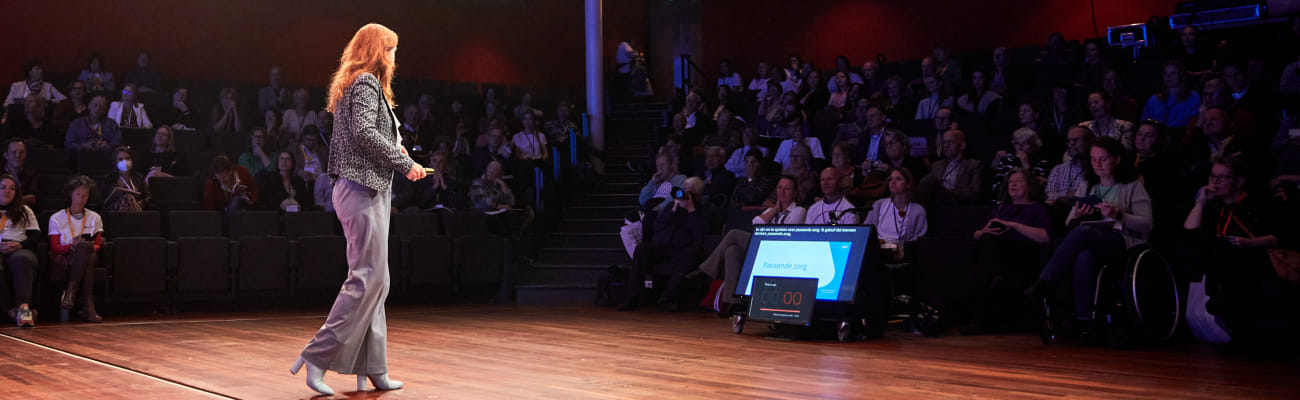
pixel 124 165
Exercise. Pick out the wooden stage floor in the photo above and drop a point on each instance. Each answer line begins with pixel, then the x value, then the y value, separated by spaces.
pixel 585 352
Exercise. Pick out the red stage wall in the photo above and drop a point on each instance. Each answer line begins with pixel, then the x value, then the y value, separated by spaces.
pixel 749 31
pixel 528 42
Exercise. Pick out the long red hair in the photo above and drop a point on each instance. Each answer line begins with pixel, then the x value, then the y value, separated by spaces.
pixel 366 53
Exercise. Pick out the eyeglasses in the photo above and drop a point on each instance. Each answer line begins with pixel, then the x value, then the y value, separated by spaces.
pixel 1221 178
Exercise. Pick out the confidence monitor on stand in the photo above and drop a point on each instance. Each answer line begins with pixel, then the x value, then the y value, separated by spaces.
pixel 843 259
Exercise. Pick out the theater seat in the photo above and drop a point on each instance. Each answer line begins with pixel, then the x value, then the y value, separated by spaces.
pixel 322 262
pixel 95 162
pixel 957 220
pixel 137 268
pixel 311 223
pixel 132 224
pixel 253 224
pixel 264 265
pixel 49 161
pixel 203 267
pixel 182 223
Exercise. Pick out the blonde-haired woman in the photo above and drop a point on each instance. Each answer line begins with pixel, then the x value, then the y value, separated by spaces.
pixel 365 152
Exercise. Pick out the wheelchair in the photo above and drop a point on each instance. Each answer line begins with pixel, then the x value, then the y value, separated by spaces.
pixel 1133 302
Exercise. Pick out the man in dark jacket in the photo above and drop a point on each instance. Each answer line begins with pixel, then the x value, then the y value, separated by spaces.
pixel 674 237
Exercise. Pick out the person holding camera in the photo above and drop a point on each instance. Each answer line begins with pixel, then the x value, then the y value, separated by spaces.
pixel 1113 214
pixel 231 187
pixel 673 237
pixel 75 240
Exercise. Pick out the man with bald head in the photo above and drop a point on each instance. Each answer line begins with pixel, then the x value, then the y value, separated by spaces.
pixel 954 179
pixel 1220 140
pixel 832 202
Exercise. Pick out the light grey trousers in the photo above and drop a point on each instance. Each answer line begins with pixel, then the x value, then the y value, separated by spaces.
pixel 354 338
pixel 726 262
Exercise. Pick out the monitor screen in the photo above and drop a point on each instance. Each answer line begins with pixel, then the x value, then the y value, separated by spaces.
pixel 832 254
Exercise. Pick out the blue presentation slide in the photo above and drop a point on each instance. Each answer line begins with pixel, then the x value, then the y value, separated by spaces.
pixel 804 259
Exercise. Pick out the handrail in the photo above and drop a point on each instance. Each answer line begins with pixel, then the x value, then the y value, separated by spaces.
pixel 687 65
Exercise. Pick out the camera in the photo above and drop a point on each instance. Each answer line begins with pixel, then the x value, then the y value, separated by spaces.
pixel 679 194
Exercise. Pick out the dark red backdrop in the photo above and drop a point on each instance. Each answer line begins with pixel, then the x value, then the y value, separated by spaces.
pixel 749 31
pixel 529 42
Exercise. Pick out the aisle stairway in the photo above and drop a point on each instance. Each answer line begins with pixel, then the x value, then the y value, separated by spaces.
pixel 586 243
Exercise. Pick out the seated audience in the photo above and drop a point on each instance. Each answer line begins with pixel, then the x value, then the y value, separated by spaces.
pixel 530 143
pixel 1119 220
pixel 129 113
pixel 76 234
pixel 526 107
pixel 1232 231
pixel 833 208
pixel 300 116
pixel 1067 177
pixel 797 136
pixel 276 137
pixel 947 68
pixel 1219 140
pixel 94 131
pixel 323 192
pixel 274 96
pixel 77 106
pixel 489 192
pixel 96 79
pixel 718 182
pixel 725 261
pixel 1103 124
pixel 1123 106
pixel 258 156
pixel 1158 170
pixel 675 235
pixel 443 187
pixel 28 180
pixel 727 77
pixel 898 220
pixel 661 184
pixel 20 231
pixel 758 85
pixel 749 141
pixel 812 95
pixel 181 114
pixel 979 99
pixel 231 187
pixel 1177 102
pixel 415 136
pixel 31 126
pixel 1027 156
pixel 1006 256
pixel 125 190
pixel 313 153
pixel 942 123
pixel 803 172
pixel 145 77
pixel 936 97
pixel 283 188
pixel 954 179
pixel 1062 114
pixel 895 100
pixel 225 115
pixel 557 131
pixel 34 85
pixel 756 185
pixel 161 162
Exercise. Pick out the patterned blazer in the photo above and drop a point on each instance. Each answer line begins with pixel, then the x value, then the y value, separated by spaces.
pixel 366 146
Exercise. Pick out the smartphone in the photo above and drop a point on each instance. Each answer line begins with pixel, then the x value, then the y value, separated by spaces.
pixel 1089 200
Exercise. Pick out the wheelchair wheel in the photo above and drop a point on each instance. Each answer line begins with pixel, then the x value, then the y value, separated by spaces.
pixel 1151 292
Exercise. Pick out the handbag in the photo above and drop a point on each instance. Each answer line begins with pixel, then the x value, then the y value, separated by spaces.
pixel 1286 262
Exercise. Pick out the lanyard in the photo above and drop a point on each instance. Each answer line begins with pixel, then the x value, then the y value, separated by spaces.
pixel 68 213
pixel 900 216
pixel 4 222
pixel 1102 195
pixel 127 183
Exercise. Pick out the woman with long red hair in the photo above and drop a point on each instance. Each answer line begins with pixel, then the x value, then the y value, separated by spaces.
pixel 365 152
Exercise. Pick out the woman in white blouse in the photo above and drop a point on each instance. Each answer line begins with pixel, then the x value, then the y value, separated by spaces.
pixel 727 259
pixel 299 116
pixel 898 220
pixel 34 85
pixel 530 143
pixel 18 232
pixel 75 240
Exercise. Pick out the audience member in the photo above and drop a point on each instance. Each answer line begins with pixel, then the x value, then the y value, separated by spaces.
pixel 737 163
pixel 1094 66
pixel 1063 115
pixel 1006 256
pixel 1113 215
pixel 797 137
pixel 32 126
pixel 728 77
pixel 979 99
pixel 77 106
pixel 258 156
pixel 946 68
pixel 1123 106
pixel 161 161
pixel 530 143
pixel 443 187
pixel 1105 125
pixel 231 187
pixel 897 219
pixel 33 85
pixel 181 114
pixel 897 104
pixel 129 113
pixel 756 185
pixel 1158 170
pixel 96 79
pixel 125 190
pixel 283 188
pixel 758 85
pixel 28 180
pixel 94 131
pixel 936 97
pixel 1220 140
pixel 414 134
pixel 1066 178
pixel 273 97
pixel 76 235
pixel 725 261
pixel 1177 103
pixel 718 182
pixel 1026 156
pixel 803 172
pixel 833 208
pixel 955 179
pixel 300 116
pixel 145 78
pixel 489 192
pixel 872 82
pixel 1190 52
pixel 313 153
pixel 276 137
pixel 675 235
pixel 526 107
pixel 813 94
pixel 661 183
pixel 20 231
pixel 225 115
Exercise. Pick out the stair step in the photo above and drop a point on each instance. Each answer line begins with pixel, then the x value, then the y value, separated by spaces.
pixel 555 274
pixel 597 211
pixel 564 240
pixel 589 225
pixel 604 199
pixel 554 294
pixel 585 256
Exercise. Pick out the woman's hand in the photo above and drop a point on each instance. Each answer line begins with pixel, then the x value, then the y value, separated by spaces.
pixel 1081 209
pixel 1108 210
pixel 9 247
pixel 1204 194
